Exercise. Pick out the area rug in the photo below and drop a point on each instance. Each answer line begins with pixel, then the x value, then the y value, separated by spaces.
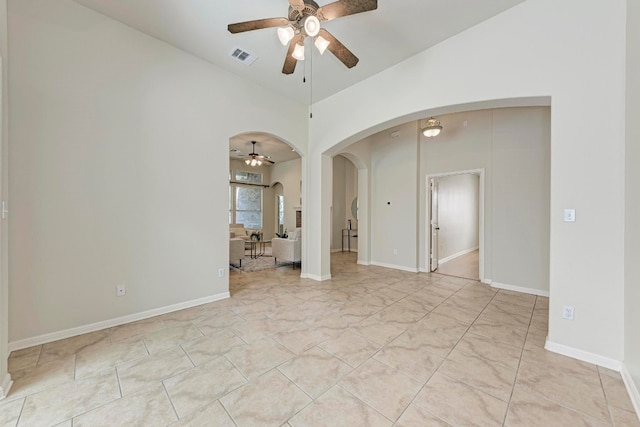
pixel 257 264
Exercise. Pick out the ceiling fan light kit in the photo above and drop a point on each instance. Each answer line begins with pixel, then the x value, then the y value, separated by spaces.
pixel 285 34
pixel 432 128
pixel 304 20
pixel 255 159
pixel 298 52
pixel 321 44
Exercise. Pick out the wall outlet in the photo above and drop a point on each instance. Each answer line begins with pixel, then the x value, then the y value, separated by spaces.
pixel 395 252
pixel 221 272
pixel 567 312
pixel 121 290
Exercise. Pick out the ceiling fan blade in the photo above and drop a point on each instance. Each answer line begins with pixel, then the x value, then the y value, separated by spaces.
pixel 345 7
pixel 290 62
pixel 339 50
pixel 258 24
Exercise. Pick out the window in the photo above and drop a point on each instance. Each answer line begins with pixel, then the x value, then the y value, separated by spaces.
pixel 249 206
pixel 245 201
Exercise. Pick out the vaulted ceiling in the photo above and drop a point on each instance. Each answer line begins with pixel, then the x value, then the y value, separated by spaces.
pixel 397 30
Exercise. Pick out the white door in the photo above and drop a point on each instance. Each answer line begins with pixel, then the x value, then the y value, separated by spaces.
pixel 433 189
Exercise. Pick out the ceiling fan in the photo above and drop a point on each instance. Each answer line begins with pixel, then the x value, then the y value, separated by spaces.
pixel 255 159
pixel 304 20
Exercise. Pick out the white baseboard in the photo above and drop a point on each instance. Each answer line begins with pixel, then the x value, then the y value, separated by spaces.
pixel 585 356
pixel 457 254
pixel 5 386
pixel 333 251
pixel 316 277
pixel 363 262
pixel 632 389
pixel 521 289
pixel 395 267
pixel 67 333
pixel 486 281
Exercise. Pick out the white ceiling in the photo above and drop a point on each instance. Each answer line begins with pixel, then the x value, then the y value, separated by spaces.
pixel 397 30
pixel 266 145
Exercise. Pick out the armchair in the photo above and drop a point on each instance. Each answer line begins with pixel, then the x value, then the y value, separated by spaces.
pixel 287 250
pixel 236 251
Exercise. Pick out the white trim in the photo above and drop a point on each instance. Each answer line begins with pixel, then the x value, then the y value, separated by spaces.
pixel 92 327
pixel 521 289
pixel 456 255
pixel 363 262
pixel 585 356
pixel 486 281
pixel 5 386
pixel 316 277
pixel 632 389
pixel 395 267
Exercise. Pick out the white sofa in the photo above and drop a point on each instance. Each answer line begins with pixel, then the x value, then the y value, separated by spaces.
pixel 236 251
pixel 289 249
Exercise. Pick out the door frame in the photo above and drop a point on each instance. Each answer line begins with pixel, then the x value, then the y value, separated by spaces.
pixel 481 216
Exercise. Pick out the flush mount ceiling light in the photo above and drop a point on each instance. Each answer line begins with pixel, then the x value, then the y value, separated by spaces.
pixel 303 20
pixel 432 128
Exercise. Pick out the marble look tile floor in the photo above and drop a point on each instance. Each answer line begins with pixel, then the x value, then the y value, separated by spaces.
pixel 371 347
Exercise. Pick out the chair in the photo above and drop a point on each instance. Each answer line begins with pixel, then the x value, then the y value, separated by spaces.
pixel 289 249
pixel 236 250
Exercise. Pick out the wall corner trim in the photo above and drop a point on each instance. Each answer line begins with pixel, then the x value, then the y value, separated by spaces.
pixel 92 327
pixel 521 289
pixel 5 386
pixel 360 262
pixel 632 389
pixel 585 356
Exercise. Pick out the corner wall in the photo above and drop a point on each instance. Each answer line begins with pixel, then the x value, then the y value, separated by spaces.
pixel 5 379
pixel 631 369
pixel 521 54
pixel 120 157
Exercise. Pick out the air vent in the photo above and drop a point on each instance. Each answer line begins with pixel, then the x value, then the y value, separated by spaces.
pixel 242 56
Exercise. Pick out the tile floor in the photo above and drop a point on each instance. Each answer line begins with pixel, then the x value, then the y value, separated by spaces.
pixel 466 266
pixel 372 347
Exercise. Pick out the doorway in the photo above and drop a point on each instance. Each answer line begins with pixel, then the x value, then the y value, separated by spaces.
pixel 455 224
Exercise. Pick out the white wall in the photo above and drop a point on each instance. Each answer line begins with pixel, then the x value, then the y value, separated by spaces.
pixel 520 198
pixel 458 205
pixel 345 189
pixel 632 215
pixel 538 50
pixel 394 198
pixel 512 146
pixel 119 154
pixel 289 174
pixel 4 192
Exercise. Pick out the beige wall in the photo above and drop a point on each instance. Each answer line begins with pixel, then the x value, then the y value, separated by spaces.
pixel 394 198
pixel 119 154
pixel 458 204
pixel 4 187
pixel 289 175
pixel 632 214
pixel 486 66
pixel 345 188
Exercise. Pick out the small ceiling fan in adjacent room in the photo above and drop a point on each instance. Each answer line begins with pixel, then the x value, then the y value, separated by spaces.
pixel 303 21
pixel 255 159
